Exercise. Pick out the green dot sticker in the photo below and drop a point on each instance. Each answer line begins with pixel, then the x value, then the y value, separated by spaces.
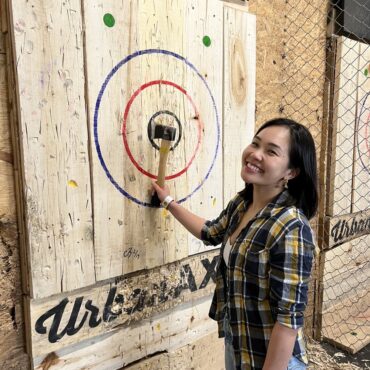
pixel 109 20
pixel 206 41
pixel 366 72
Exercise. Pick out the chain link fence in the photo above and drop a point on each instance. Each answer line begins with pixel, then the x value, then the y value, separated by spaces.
pixel 327 88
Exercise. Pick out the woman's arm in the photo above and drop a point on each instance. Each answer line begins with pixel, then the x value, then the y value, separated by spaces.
pixel 189 220
pixel 291 261
pixel 280 348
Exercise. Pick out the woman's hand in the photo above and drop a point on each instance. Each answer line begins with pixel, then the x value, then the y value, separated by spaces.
pixel 161 192
pixel 192 222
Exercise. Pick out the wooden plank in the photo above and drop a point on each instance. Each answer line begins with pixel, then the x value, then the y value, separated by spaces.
pixel 361 173
pixel 239 93
pixel 12 354
pixel 65 320
pixel 142 48
pixel 344 119
pixel 203 354
pixel 207 201
pixel 165 332
pixel 237 4
pixel 122 219
pixel 346 270
pixel 6 156
pixel 341 229
pixel 53 134
pixel 3 23
pixel 347 324
pixel 2 43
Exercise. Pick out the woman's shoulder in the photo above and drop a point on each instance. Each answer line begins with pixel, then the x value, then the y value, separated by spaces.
pixel 235 202
pixel 290 220
pixel 291 216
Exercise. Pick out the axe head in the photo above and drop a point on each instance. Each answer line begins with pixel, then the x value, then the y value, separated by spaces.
pixel 164 132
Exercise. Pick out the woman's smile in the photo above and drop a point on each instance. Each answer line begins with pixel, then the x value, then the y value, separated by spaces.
pixel 251 168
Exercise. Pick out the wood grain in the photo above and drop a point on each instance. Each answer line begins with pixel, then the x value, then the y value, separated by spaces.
pixel 167 332
pixel 239 93
pixel 65 320
pixel 361 172
pixel 50 80
pixel 344 120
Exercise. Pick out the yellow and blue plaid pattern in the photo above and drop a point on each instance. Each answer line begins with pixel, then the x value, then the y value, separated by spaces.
pixel 267 276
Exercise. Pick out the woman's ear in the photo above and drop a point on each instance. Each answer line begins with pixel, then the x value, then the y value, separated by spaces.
pixel 293 172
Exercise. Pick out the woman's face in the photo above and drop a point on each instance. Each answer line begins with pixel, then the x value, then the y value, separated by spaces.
pixel 265 161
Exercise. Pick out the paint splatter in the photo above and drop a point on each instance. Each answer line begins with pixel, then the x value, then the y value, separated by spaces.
pixel 207 41
pixel 72 183
pixel 366 72
pixel 214 202
pixel 109 20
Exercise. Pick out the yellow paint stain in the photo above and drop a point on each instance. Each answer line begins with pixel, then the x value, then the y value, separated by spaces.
pixel 158 327
pixel 165 213
pixel 72 183
pixel 213 202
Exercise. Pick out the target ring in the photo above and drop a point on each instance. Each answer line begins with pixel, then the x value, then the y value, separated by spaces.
pixel 124 128
pixel 98 103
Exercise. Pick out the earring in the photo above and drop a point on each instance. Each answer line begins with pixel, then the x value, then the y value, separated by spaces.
pixel 286 183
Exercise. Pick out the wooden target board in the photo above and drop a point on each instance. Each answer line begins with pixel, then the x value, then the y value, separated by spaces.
pixel 344 121
pixel 361 191
pixel 94 78
pixel 156 77
pixel 349 190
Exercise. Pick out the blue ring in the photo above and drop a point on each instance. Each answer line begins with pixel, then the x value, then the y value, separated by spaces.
pixel 96 113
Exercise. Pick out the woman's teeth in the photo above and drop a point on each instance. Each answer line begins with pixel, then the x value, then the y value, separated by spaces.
pixel 253 168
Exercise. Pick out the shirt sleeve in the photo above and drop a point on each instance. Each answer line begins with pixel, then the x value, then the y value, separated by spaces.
pixel 213 232
pixel 291 261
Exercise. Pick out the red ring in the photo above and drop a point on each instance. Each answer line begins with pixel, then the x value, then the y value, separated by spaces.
pixel 124 135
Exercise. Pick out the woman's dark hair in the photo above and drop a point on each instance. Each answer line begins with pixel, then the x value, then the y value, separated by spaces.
pixel 302 155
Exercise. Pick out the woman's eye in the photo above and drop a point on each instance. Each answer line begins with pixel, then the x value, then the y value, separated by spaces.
pixel 271 152
pixel 254 143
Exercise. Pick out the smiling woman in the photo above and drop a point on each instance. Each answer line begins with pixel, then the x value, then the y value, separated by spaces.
pixel 267 249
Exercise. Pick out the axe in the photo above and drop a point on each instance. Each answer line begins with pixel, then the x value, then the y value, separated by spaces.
pixel 167 135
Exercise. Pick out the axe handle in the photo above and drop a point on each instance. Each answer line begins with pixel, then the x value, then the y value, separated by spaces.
pixel 163 154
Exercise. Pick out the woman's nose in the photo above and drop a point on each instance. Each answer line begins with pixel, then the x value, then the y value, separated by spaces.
pixel 257 154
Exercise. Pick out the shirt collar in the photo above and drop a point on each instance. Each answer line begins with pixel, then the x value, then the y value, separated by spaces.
pixel 280 201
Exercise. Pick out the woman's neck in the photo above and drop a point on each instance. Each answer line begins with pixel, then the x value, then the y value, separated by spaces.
pixel 263 195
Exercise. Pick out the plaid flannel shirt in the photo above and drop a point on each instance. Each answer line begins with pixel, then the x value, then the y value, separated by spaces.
pixel 267 276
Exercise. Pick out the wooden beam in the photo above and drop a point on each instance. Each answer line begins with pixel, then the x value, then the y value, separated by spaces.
pixel 205 353
pixel 240 5
pixel 12 333
pixel 346 325
pixel 345 270
pixel 3 20
pixel 65 320
pixel 344 118
pixel 361 162
pixel 164 332
pixel 239 93
pixel 53 137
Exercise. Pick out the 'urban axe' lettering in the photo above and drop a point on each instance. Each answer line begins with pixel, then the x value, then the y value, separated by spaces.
pixel 345 229
pixel 115 304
